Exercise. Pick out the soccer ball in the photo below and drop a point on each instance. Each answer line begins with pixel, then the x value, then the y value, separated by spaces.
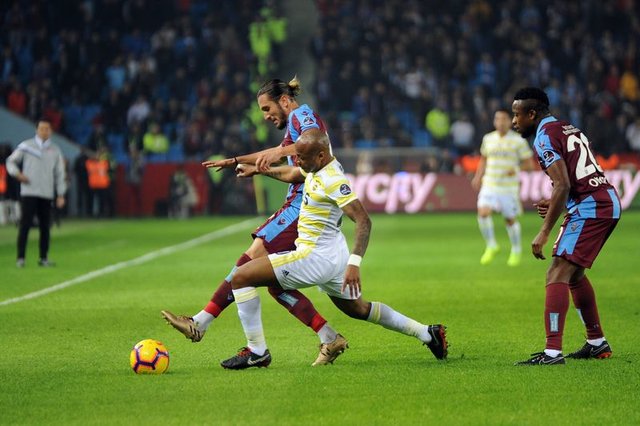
pixel 149 357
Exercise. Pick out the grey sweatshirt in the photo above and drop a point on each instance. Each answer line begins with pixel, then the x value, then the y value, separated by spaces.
pixel 43 164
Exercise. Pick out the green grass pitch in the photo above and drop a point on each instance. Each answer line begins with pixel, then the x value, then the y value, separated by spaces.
pixel 64 357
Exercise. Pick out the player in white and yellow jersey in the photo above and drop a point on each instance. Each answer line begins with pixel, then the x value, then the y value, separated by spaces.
pixel 504 153
pixel 321 257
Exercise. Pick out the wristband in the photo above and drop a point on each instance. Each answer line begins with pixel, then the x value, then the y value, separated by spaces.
pixel 235 159
pixel 354 260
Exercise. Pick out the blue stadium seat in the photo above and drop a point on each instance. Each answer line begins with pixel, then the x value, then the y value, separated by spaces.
pixel 422 138
pixel 175 153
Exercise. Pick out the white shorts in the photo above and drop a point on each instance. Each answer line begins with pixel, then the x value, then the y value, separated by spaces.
pixel 507 204
pixel 323 267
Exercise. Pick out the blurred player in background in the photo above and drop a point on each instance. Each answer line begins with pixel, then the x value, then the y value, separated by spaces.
pixel 277 100
pixel 593 211
pixel 503 154
pixel 320 257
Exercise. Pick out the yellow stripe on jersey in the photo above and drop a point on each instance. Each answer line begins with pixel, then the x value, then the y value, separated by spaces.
pixel 292 256
pixel 325 191
pixel 504 155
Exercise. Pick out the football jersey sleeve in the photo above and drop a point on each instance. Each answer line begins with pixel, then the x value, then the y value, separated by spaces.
pixel 547 153
pixel 302 119
pixel 483 146
pixel 340 192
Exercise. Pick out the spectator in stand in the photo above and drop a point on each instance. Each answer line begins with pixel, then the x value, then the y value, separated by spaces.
pixel 462 132
pixel 138 111
pixel 154 142
pixel 17 99
pixel 437 123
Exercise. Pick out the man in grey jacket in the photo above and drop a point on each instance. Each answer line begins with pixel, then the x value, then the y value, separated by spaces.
pixel 41 174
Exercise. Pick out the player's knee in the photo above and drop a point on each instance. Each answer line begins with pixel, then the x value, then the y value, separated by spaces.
pixel 256 249
pixel 359 310
pixel 240 279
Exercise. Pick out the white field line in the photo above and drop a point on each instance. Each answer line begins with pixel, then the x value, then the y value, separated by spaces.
pixel 133 262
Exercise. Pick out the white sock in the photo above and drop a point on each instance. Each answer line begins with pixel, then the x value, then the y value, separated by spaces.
pixel 248 303
pixel 393 320
pixel 327 334
pixel 203 320
pixel 486 229
pixel 552 352
pixel 596 342
pixel 514 236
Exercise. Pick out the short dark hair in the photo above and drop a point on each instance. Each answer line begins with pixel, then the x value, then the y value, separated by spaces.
pixel 42 120
pixel 540 100
pixel 277 88
pixel 505 110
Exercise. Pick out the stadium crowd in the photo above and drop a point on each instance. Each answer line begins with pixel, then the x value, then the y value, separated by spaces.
pixel 424 72
pixel 171 78
pixel 175 79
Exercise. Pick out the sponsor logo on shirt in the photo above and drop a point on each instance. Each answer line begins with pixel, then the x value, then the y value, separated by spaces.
pixel 548 156
pixel 344 189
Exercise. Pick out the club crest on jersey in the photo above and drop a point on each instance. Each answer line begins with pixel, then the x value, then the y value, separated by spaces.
pixel 307 120
pixel 344 189
pixel 548 156
pixel 574 227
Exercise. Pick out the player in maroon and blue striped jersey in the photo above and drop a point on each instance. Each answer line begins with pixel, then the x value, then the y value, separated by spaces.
pixel 277 101
pixel 593 211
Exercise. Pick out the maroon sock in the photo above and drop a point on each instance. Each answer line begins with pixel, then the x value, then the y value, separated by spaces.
pixel 584 299
pixel 299 306
pixel 555 311
pixel 223 296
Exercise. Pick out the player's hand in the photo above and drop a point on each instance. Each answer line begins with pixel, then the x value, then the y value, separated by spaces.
pixel 267 158
pixel 60 202
pixel 543 207
pixel 538 244
pixel 246 170
pixel 22 178
pixel 227 163
pixel 352 281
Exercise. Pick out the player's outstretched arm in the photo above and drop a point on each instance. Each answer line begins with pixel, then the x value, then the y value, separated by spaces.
pixel 267 156
pixel 357 213
pixel 289 174
pixel 559 195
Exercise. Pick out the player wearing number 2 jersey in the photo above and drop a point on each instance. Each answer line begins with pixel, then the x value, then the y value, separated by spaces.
pixel 593 211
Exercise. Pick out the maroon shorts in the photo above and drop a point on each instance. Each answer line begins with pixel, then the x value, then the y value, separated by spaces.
pixel 580 239
pixel 280 231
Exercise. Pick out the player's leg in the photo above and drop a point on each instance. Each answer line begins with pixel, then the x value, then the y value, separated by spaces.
pixel 28 207
pixel 584 300
pixel 555 312
pixel 3 211
pixel 511 209
pixel 433 336
pixel 43 210
pixel 594 235
pixel 485 223
pixel 245 281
